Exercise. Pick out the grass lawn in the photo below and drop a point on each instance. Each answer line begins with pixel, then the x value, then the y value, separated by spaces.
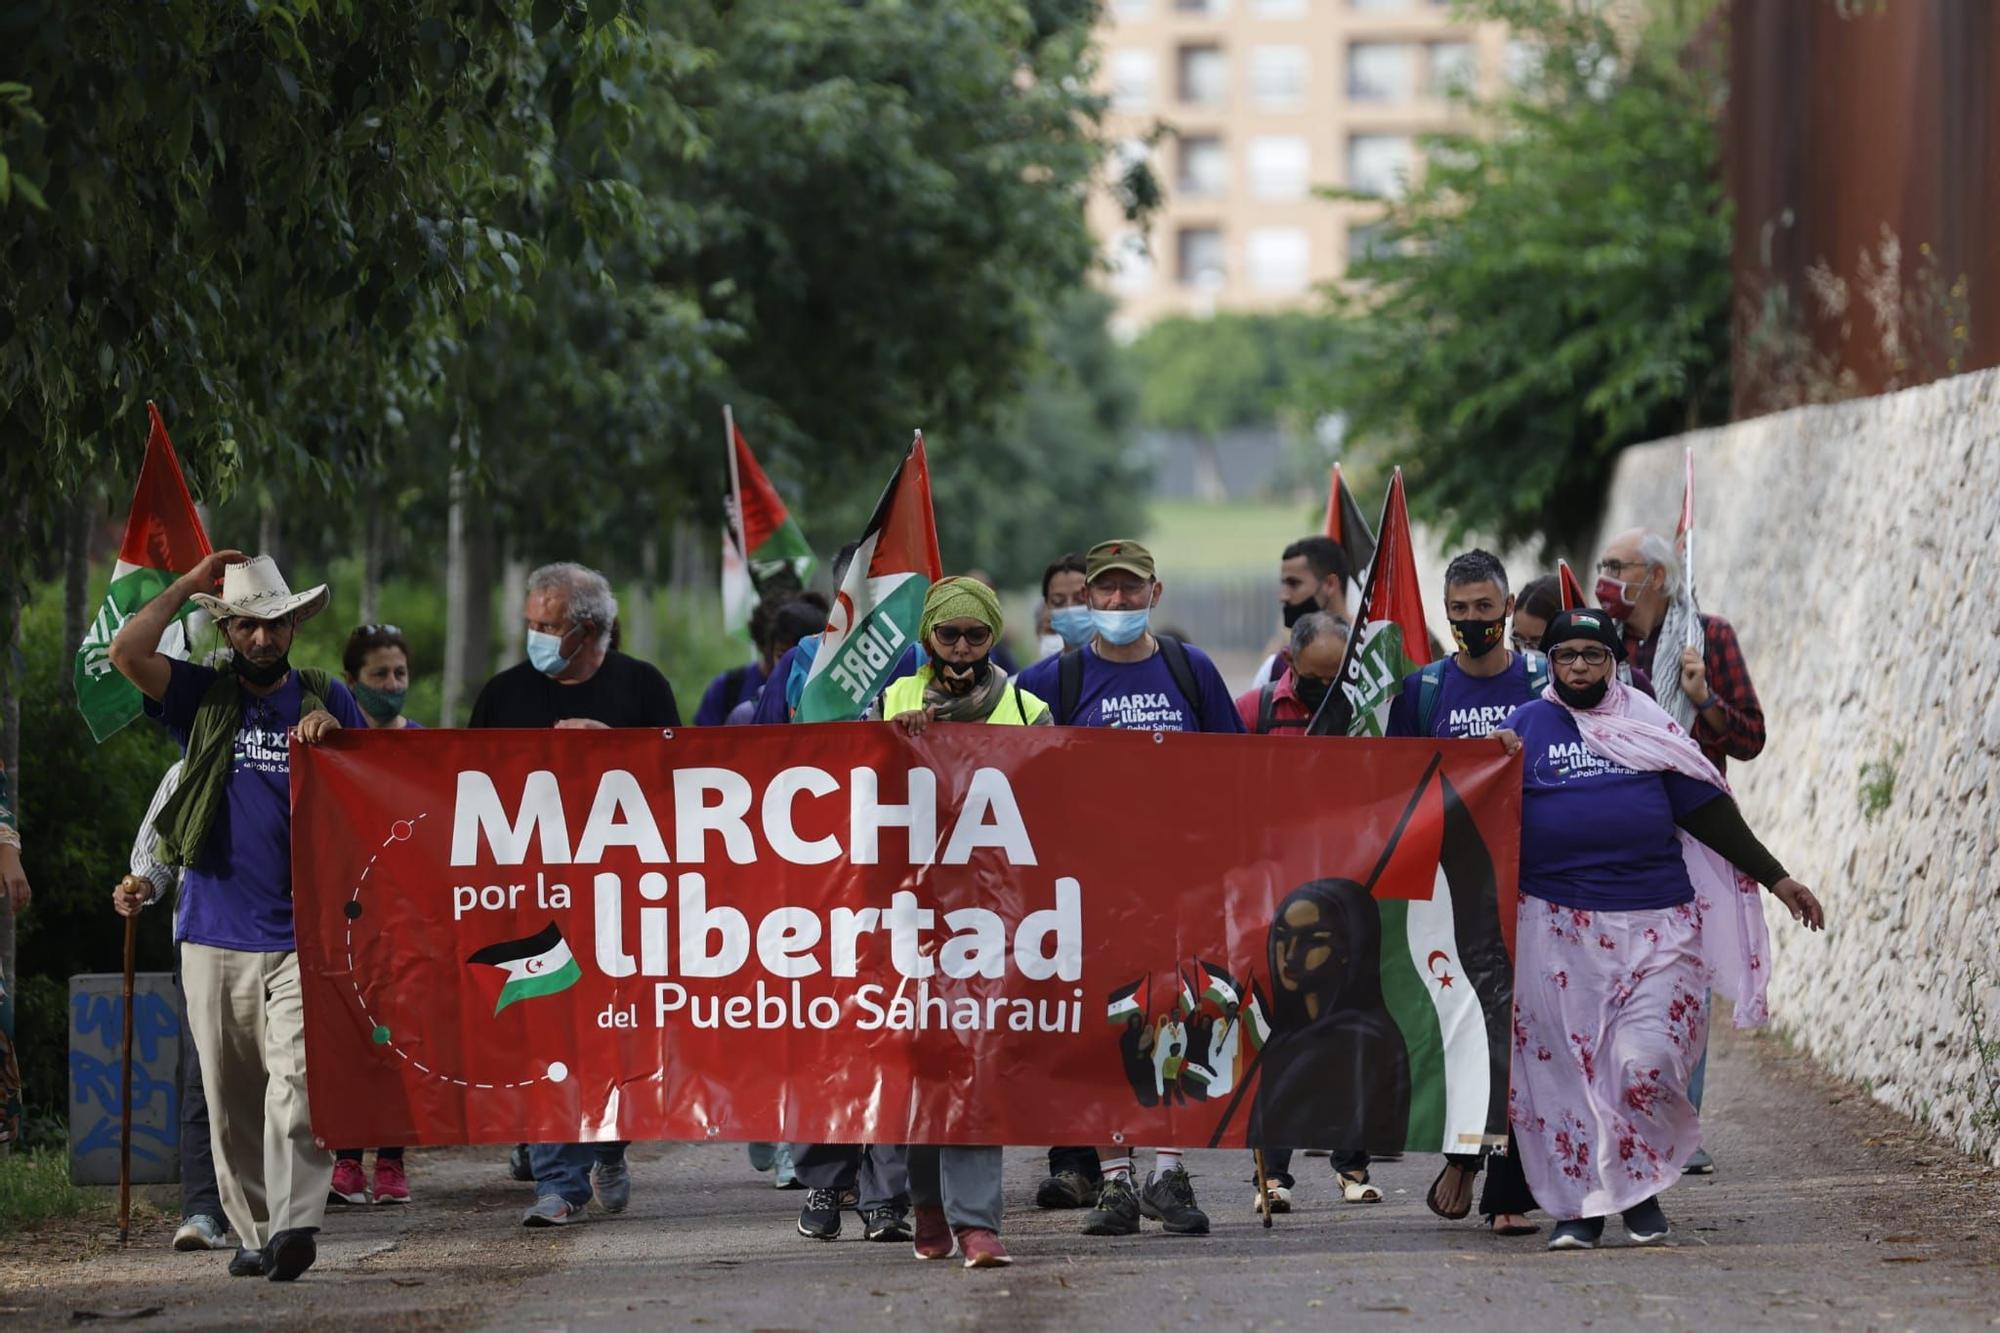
pixel 34 1187
pixel 1237 537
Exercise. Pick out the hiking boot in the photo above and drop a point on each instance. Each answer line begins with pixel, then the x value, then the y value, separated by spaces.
pixel 550 1210
pixel 614 1185
pixel 820 1218
pixel 1116 1212
pixel 1169 1200
pixel 1579 1233
pixel 982 1248
pixel 932 1234
pixel 1647 1223
pixel 1699 1163
pixel 200 1231
pixel 518 1165
pixel 289 1254
pixel 885 1222
pixel 348 1184
pixel 1067 1189
pixel 247 1263
pixel 391 1184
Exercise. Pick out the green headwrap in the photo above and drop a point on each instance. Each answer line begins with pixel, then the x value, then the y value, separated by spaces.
pixel 956 597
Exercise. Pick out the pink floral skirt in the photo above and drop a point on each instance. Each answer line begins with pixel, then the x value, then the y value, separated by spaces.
pixel 1610 1016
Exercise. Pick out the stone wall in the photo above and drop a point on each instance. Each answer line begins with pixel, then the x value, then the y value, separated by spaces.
pixel 1856 547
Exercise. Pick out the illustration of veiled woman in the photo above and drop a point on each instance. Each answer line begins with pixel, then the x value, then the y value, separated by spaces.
pixel 1334 1072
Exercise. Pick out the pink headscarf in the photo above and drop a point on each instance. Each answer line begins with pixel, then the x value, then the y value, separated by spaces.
pixel 1635 733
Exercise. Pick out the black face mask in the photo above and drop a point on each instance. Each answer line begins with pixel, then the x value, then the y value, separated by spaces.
pixel 1586 698
pixel 974 672
pixel 1297 611
pixel 1479 637
pixel 250 673
pixel 1312 691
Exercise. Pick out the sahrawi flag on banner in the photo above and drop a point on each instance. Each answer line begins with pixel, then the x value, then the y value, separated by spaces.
pixel 881 598
pixel 1389 640
pixel 541 964
pixel 759 536
pixel 163 540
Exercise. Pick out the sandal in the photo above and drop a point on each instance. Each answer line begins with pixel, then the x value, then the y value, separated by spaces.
pixel 1512 1229
pixel 1432 1197
pixel 1354 1187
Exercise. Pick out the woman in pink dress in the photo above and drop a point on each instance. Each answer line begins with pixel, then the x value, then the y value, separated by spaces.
pixel 1639 890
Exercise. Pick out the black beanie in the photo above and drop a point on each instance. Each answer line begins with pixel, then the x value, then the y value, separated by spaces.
pixel 1584 622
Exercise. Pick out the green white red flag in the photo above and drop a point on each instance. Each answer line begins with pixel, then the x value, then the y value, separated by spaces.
pixel 163 540
pixel 875 613
pixel 1390 639
pixel 760 538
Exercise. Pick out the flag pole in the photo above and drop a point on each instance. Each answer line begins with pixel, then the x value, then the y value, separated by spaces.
pixel 735 484
pixel 1687 521
pixel 125 1090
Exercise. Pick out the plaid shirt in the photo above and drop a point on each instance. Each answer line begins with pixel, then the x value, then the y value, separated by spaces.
pixel 1740 734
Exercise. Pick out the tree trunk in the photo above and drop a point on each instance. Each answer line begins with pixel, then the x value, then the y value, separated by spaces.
pixel 271 534
pixel 10 758
pixel 507 647
pixel 372 532
pixel 78 529
pixel 642 628
pixel 457 597
pixel 482 555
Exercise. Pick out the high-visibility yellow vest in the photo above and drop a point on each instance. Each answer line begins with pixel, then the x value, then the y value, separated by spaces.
pixel 1017 707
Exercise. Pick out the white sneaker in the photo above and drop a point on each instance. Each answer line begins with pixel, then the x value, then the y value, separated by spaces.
pixel 1281 1200
pixel 550 1210
pixel 201 1232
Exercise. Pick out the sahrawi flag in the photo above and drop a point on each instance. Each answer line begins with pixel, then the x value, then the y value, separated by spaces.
pixel 875 614
pixel 163 540
pixel 1345 524
pixel 1571 585
pixel 1446 977
pixel 538 965
pixel 759 535
pixel 1389 639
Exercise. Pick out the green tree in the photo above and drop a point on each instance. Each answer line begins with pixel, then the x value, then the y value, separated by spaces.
pixel 1550 289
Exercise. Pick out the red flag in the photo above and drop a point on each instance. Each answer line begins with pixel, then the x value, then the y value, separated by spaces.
pixel 1345 524
pixel 1684 529
pixel 162 531
pixel 1572 587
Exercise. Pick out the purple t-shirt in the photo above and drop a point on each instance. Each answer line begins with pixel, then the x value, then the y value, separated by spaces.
pixel 1467 707
pixel 239 895
pixel 1594 835
pixel 1137 696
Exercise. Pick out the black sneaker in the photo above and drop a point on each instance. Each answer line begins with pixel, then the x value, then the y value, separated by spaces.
pixel 1169 1200
pixel 1067 1189
pixel 247 1263
pixel 885 1222
pixel 1116 1212
pixel 1647 1223
pixel 820 1218
pixel 290 1253
pixel 518 1165
pixel 1579 1233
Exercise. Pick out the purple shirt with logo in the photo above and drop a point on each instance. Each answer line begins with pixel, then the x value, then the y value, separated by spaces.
pixel 1594 835
pixel 239 895
pixel 1467 708
pixel 1137 696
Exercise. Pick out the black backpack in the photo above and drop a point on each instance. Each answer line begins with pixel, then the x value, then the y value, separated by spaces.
pixel 1069 680
pixel 1430 684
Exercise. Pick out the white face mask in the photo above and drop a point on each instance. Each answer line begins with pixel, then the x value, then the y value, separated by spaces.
pixel 1049 645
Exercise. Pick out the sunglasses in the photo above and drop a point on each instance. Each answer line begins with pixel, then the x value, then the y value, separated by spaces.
pixel 382 629
pixel 949 635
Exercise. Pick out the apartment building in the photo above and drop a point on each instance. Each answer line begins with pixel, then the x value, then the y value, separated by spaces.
pixel 1266 101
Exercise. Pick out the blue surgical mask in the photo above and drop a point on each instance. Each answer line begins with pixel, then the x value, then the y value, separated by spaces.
pixel 545 653
pixel 1073 623
pixel 1121 627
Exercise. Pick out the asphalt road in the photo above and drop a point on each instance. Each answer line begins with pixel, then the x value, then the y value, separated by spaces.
pixel 1826 1210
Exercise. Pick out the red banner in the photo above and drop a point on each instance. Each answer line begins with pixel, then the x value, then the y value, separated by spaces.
pixel 839 934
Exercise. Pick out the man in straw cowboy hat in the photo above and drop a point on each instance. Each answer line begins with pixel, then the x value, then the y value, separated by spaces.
pixel 229 825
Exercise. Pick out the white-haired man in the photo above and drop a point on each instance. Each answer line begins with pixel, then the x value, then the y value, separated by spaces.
pixel 228 824
pixel 574 678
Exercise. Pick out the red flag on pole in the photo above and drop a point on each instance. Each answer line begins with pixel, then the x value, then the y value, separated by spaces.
pixel 1390 639
pixel 1572 587
pixel 1684 529
pixel 1345 525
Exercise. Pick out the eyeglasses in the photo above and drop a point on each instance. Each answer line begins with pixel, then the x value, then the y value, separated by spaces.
pixel 949 635
pixel 1587 656
pixel 1611 567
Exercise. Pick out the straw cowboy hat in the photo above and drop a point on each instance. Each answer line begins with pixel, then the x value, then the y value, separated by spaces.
pixel 256 590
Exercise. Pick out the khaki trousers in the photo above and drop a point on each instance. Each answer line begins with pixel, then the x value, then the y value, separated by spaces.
pixel 249 1029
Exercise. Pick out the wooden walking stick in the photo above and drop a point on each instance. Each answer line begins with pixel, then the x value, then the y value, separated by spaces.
pixel 125 1091
pixel 1263 1186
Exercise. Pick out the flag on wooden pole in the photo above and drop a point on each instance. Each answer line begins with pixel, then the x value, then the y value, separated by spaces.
pixel 163 540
